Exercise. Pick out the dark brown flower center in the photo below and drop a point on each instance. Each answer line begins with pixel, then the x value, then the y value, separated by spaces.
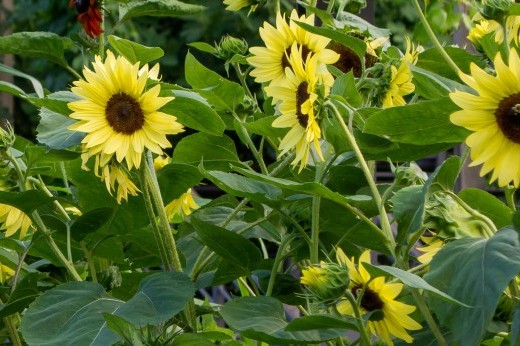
pixel 508 117
pixel 302 95
pixel 370 300
pixel 348 59
pixel 287 54
pixel 124 114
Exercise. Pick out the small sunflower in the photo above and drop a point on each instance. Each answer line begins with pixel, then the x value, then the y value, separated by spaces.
pixel 13 219
pixel 120 116
pixel 89 15
pixel 271 61
pixel 5 273
pixel 401 79
pixel 182 206
pixel 493 117
pixel 484 27
pixel 297 95
pixel 393 319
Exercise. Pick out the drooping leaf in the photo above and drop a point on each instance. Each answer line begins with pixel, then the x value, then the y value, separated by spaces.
pixel 35 44
pixel 53 130
pixel 420 123
pixel 475 271
pixel 135 52
pixel 38 88
pixel 90 222
pixel 262 318
pixel 157 8
pixel 26 201
pixel 488 205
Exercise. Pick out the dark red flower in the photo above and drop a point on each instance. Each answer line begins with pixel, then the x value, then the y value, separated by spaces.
pixel 89 15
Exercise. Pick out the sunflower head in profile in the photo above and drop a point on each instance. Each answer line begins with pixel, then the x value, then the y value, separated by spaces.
pixel 493 117
pixel 120 116
pixel 297 94
pixel 181 206
pixel 270 62
pixel 13 220
pixel 392 318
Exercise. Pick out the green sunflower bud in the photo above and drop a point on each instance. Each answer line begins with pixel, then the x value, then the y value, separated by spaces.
pixel 326 282
pixel 495 9
pixel 352 6
pixel 7 137
pixel 229 46
pixel 449 219
pixel 409 175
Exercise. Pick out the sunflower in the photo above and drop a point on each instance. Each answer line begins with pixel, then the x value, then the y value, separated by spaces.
pixel 270 62
pixel 5 273
pixel 492 115
pixel 12 220
pixel 89 15
pixel 120 116
pixel 393 319
pixel 182 206
pixel 297 95
pixel 484 27
pixel 432 246
pixel 401 78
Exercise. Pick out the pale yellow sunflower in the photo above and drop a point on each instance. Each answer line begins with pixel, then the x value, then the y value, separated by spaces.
pixel 119 114
pixel 432 246
pixel 401 79
pixel 182 206
pixel 394 319
pixel 5 273
pixel 484 27
pixel 492 115
pixel 297 95
pixel 160 161
pixel 271 61
pixel 13 219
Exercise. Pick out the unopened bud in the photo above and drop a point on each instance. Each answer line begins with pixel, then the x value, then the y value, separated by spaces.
pixel 495 9
pixel 229 46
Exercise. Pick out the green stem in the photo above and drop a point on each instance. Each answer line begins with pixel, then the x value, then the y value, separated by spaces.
pixel 12 331
pixel 419 300
pixel 277 261
pixel 21 260
pixel 330 6
pixel 102 36
pixel 365 339
pixel 242 78
pixel 73 71
pixel 252 147
pixel 315 230
pixel 434 39
pixel 90 261
pixel 276 6
pixel 385 223
pixel 503 23
pixel 39 224
pixel 509 192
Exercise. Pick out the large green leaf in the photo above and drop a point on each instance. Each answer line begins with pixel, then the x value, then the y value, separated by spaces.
pixel 220 92
pixel 133 51
pixel 488 205
pixel 175 179
pixel 433 86
pixel 37 44
pixel 26 292
pixel 420 123
pixel 216 152
pixel 408 209
pixel 229 245
pixel 26 201
pixel 194 114
pixel 53 130
pixel 157 8
pixel 90 222
pixel 433 61
pixel 263 318
pixel 475 271
pixel 72 313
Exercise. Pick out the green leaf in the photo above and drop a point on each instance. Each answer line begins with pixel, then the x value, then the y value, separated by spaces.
pixel 345 86
pixel 357 45
pixel 123 328
pixel 90 222
pixel 133 51
pixel 263 318
pixel 313 322
pixel 56 102
pixel 26 201
pixel 216 152
pixel 475 271
pixel 420 123
pixel 24 294
pixel 53 130
pixel 408 210
pixel 220 92
pixel 264 127
pixel 72 313
pixel 175 179
pixel 410 280
pixel 194 114
pixel 515 328
pixel 11 89
pixel 488 205
pixel 433 86
pixel 445 176
pixel 432 60
pixel 344 18
pixel 189 339
pixel 157 8
pixel 38 89
pixel 203 47
pixel 37 44
pixel 228 245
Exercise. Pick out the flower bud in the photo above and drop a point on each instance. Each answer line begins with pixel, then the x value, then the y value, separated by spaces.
pixel 326 282
pixel 495 9
pixel 7 137
pixel 229 46
pixel 409 175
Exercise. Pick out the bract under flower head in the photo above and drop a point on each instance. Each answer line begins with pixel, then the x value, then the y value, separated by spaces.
pixel 492 117
pixel 120 117
pixel 394 319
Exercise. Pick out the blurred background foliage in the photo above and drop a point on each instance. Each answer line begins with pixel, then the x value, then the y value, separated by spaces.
pixel 173 35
